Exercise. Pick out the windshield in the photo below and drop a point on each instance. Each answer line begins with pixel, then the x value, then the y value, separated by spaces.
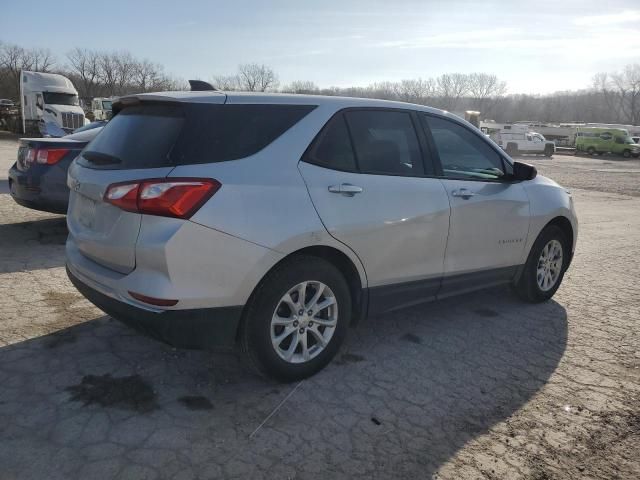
pixel 55 98
pixel 106 104
pixel 629 141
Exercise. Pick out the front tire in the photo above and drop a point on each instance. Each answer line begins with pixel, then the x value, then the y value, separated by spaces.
pixel 296 319
pixel 544 270
pixel 626 154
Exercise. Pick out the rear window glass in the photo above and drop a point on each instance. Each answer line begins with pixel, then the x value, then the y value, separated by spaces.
pixel 149 136
pixel 333 149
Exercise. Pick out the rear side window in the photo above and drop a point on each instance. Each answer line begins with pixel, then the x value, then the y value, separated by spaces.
pixel 157 135
pixel 385 142
pixel 333 148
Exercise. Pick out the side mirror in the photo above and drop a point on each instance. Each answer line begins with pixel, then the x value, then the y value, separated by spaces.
pixel 524 171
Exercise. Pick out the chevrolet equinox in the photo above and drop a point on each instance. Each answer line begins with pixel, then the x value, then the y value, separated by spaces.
pixel 273 222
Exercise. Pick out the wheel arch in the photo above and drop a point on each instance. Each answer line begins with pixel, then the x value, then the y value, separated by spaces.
pixel 340 260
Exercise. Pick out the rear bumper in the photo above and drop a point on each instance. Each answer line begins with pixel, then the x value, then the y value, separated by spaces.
pixel 40 188
pixel 202 328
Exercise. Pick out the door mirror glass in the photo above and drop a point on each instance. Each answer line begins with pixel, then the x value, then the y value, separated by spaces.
pixel 524 171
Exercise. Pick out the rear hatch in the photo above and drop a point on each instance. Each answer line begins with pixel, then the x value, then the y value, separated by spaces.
pixel 136 144
pixel 147 139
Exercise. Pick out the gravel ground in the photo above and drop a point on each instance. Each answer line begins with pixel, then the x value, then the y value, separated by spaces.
pixel 476 387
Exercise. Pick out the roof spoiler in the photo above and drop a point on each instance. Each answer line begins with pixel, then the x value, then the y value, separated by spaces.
pixel 201 86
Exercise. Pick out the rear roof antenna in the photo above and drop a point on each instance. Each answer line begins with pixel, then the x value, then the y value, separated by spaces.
pixel 201 86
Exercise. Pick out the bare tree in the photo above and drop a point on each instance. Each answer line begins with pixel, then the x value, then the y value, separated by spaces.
pixel 108 72
pixel 484 85
pixel 125 70
pixel 42 60
pixel 147 75
pixel 14 59
pixel 226 82
pixel 627 86
pixel 301 86
pixel 451 87
pixel 415 90
pixel 257 78
pixel 85 64
pixel 621 92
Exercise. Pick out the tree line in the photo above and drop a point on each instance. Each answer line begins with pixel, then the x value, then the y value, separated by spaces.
pixel 614 97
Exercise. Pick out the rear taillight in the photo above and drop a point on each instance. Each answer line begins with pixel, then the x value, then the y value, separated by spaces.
pixel 166 197
pixel 50 156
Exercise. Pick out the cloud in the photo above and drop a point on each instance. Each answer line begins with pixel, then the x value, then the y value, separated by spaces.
pixel 453 40
pixel 608 19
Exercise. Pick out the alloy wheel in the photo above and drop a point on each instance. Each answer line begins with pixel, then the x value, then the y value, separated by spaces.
pixel 549 265
pixel 304 321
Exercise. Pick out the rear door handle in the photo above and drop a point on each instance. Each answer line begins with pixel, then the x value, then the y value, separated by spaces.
pixel 345 189
pixel 463 193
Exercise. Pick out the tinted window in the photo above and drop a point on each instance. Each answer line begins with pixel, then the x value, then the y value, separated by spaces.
pixel 138 137
pixel 148 136
pixel 463 154
pixel 332 148
pixel 385 142
pixel 217 133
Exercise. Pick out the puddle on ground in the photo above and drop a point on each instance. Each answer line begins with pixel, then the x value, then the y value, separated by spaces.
pixel 128 393
pixel 410 337
pixel 349 358
pixel 196 402
pixel 486 312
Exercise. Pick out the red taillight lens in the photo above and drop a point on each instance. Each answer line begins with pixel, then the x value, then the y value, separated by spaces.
pixel 50 156
pixel 167 197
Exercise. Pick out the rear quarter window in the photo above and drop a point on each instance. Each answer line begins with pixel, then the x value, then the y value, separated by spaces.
pixel 151 136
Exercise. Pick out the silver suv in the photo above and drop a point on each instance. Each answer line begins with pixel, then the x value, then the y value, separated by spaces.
pixel 276 221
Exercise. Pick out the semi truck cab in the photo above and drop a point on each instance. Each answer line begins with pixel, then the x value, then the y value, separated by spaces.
pixel 50 104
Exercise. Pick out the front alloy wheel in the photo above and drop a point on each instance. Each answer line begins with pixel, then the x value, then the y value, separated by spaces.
pixel 304 322
pixel 547 261
pixel 549 265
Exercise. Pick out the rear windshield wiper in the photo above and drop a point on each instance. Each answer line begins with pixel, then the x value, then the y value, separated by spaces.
pixel 100 158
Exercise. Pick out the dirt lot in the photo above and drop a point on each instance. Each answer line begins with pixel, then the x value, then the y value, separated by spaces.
pixel 479 387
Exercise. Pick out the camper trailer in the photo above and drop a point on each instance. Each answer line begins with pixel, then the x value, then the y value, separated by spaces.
pixel 49 104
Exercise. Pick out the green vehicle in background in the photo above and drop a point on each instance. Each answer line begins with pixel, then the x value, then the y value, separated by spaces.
pixel 606 140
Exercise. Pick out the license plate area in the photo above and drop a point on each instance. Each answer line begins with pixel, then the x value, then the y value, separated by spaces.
pixel 85 211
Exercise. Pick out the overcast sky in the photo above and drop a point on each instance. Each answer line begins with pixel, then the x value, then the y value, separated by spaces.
pixel 537 47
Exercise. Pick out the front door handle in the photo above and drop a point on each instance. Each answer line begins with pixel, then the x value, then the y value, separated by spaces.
pixel 345 189
pixel 463 193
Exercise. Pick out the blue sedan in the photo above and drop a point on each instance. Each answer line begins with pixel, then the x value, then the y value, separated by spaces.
pixel 38 179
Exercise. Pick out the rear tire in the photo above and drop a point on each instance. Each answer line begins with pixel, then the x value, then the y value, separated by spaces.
pixel 275 308
pixel 544 270
pixel 591 150
pixel 512 149
pixel 548 151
